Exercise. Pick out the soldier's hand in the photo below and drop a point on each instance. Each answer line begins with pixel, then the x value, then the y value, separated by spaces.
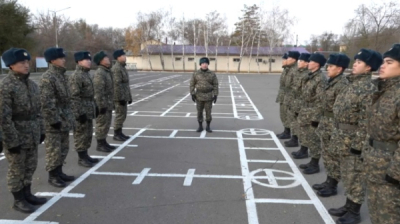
pixel 215 99
pixel 314 124
pixel 103 110
pixel 194 98
pixel 56 125
pixel 42 137
pixel 392 180
pixel 15 150
pixel 82 118
pixel 122 102
pixel 130 101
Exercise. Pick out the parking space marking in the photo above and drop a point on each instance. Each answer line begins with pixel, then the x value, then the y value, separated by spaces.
pixel 141 176
pixel 189 177
pixel 52 194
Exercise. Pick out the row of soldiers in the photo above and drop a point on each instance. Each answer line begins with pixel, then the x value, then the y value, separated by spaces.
pixel 352 122
pixel 31 114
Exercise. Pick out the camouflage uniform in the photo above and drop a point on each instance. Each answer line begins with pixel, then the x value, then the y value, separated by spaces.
pixel 82 103
pixel 204 85
pixel 122 92
pixel 382 153
pixel 22 125
pixel 281 97
pixel 289 94
pixel 348 137
pixel 297 100
pixel 55 97
pixel 103 95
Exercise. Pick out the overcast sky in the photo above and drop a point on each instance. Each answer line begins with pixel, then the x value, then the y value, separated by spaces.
pixel 313 16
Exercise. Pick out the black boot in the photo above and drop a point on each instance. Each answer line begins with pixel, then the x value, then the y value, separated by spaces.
pixel 313 167
pixel 200 129
pixel 293 142
pixel 125 136
pixel 208 129
pixel 92 160
pixel 20 204
pixel 102 146
pixel 32 199
pixel 84 160
pixel 285 134
pixel 118 135
pixel 302 153
pixel 301 148
pixel 321 185
pixel 54 178
pixel 110 146
pixel 330 189
pixel 64 176
pixel 352 216
pixel 340 211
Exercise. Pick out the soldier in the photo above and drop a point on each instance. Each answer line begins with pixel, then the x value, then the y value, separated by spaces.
pixel 281 93
pixel 22 128
pixel 349 135
pixel 337 63
pixel 204 90
pixel 298 79
pixel 310 114
pixel 83 107
pixel 382 154
pixel 58 119
pixel 122 94
pixel 103 95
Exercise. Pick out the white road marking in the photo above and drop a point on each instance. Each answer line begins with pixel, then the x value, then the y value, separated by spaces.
pixel 141 176
pixel 203 134
pixel 173 133
pixel 189 177
pixel 173 106
pixel 102 157
pixel 6 221
pixel 187 115
pixel 266 161
pixel 52 194
pixel 284 201
pixel 235 114
pixel 155 94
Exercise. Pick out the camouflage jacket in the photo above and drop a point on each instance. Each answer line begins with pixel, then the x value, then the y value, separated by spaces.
pixel 104 88
pixel 204 84
pixel 298 82
pixel 312 90
pixel 289 79
pixel 55 97
pixel 383 124
pixel 82 93
pixel 350 107
pixel 20 112
pixel 281 93
pixel 122 90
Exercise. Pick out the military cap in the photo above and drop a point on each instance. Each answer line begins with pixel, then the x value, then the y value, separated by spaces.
pixel 82 55
pixel 204 60
pixel 53 53
pixel 99 56
pixel 340 60
pixel 319 58
pixel 118 53
pixel 294 54
pixel 305 57
pixel 370 57
pixel 285 56
pixel 14 55
pixel 393 52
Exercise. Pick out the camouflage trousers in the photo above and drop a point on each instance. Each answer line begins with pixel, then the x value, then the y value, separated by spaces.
pixel 310 139
pixel 283 115
pixel 204 105
pixel 103 123
pixel 21 168
pixel 57 147
pixel 83 134
pixel 383 197
pixel 294 124
pixel 330 155
pixel 120 115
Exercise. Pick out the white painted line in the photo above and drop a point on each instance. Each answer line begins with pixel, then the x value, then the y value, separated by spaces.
pixel 154 94
pixel 260 148
pixel 284 201
pixel 1 158
pixel 251 102
pixel 134 113
pixel 187 115
pixel 189 177
pixel 142 175
pixel 252 131
pixel 169 130
pixel 77 181
pixel 247 117
pixel 102 157
pixel 133 146
pixel 7 221
pixel 173 133
pixel 203 134
pixel 52 194
pixel 233 101
pixel 266 161
pixel 173 106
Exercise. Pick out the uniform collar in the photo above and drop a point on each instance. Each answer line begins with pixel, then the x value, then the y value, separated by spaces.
pixel 57 69
pixel 80 68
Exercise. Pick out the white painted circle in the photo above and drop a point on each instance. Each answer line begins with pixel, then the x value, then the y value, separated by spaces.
pixel 255 131
pixel 272 183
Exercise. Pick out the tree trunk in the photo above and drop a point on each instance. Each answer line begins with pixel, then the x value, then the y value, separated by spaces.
pixel 251 53
pixel 161 56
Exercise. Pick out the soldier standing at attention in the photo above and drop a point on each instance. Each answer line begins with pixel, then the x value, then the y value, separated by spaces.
pixel 103 95
pixel 349 135
pixel 83 107
pixel 22 128
pixel 337 63
pixel 204 90
pixel 281 93
pixel 122 94
pixel 58 119
pixel 382 154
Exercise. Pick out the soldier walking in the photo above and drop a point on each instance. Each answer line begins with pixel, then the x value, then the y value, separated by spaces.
pixel 103 95
pixel 22 128
pixel 122 94
pixel 349 135
pixel 55 97
pixel 83 107
pixel 382 154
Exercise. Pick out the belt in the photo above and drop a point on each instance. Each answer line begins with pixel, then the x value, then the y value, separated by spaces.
pixel 383 145
pixel 347 127
pixel 23 117
pixel 328 114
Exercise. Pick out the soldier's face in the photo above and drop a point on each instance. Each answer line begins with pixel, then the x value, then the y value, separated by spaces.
pixel 389 69
pixel 302 64
pixel 60 62
pixel 290 61
pixel 21 67
pixel 313 66
pixel 122 58
pixel 106 62
pixel 204 66
pixel 359 67
pixel 86 63
pixel 334 71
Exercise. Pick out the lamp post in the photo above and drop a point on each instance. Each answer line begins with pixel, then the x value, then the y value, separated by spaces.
pixel 55 22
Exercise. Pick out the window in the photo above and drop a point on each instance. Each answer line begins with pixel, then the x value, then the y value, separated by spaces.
pixel 190 59
pixel 178 59
pixel 272 60
pixel 236 59
pixel 259 60
pixel 212 59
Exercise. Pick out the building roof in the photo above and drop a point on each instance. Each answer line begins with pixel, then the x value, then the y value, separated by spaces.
pixel 222 50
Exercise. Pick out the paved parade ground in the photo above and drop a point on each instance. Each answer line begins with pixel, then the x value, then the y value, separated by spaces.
pixel 167 173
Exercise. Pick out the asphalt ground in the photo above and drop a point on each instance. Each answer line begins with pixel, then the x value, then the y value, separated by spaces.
pixel 168 173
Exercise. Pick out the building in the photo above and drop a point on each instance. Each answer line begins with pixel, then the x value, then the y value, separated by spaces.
pixel 222 58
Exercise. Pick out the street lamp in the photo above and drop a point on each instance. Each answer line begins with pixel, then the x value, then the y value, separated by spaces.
pixel 55 22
